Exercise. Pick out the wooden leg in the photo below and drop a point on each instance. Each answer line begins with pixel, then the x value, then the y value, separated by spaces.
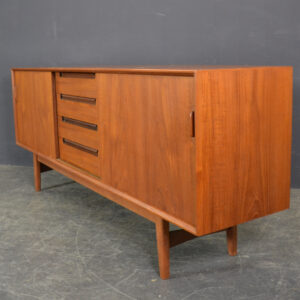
pixel 232 240
pixel 37 173
pixel 163 248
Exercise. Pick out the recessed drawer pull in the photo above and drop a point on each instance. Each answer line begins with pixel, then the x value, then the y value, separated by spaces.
pixel 80 147
pixel 78 99
pixel 76 75
pixel 80 123
pixel 192 116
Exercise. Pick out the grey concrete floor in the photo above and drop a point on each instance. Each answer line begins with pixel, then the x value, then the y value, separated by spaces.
pixel 67 242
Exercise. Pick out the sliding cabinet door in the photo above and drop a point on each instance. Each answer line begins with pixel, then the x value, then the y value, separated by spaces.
pixel 147 147
pixel 34 112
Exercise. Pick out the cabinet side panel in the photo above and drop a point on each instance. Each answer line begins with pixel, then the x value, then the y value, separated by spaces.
pixel 14 94
pixel 243 136
pixel 147 150
pixel 34 111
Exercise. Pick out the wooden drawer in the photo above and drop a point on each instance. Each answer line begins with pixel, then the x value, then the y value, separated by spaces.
pixel 76 84
pixel 77 110
pixel 79 131
pixel 76 96
pixel 79 155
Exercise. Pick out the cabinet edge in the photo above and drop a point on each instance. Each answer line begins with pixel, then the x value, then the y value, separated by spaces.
pixel 123 199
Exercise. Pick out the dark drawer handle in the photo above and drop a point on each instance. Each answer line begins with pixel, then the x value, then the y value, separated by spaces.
pixel 76 75
pixel 78 99
pixel 192 116
pixel 80 123
pixel 80 147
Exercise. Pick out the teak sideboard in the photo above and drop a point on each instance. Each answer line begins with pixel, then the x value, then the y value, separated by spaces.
pixel 205 148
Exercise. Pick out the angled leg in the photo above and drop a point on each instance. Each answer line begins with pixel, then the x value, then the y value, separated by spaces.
pixel 37 173
pixel 163 248
pixel 231 233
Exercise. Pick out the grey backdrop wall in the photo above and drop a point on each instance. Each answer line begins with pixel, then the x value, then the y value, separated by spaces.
pixel 125 32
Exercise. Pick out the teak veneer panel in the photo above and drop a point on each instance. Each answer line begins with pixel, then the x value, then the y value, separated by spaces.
pixel 79 134
pixel 147 148
pixel 34 108
pixel 79 158
pixel 173 70
pixel 77 110
pixel 76 86
pixel 243 132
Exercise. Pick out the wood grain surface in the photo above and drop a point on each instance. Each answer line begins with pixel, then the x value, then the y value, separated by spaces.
pixel 79 158
pixel 34 111
pixel 243 134
pixel 76 86
pixel 146 145
pixel 79 134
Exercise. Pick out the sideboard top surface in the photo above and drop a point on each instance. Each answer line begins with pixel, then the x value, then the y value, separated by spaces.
pixel 188 70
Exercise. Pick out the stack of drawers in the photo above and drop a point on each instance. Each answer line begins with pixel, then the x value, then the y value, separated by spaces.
pixel 77 112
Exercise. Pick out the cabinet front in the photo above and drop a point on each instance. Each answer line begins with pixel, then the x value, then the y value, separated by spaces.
pixel 35 112
pixel 77 113
pixel 147 148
